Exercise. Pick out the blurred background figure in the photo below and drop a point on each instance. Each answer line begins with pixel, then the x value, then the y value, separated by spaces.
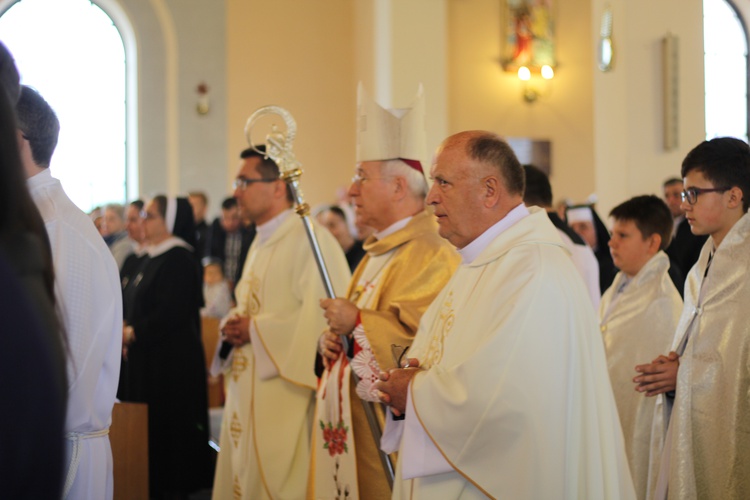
pixel 229 240
pixel 538 192
pixel 199 201
pixel 134 224
pixel 216 293
pixel 117 239
pixel 165 365
pixel 685 247
pixel 134 227
pixel 584 220
pixel 335 220
pixel 97 217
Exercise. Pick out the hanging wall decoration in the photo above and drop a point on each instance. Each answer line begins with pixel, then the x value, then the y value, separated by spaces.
pixel 528 33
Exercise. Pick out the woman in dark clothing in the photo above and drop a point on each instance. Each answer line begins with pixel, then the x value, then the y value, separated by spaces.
pixel 163 353
pixel 334 219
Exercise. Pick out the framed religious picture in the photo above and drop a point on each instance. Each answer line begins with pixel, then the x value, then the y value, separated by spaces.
pixel 528 34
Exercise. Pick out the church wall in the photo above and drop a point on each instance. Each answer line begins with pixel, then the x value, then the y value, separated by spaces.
pixel 401 44
pixel 483 96
pixel 180 43
pixel 202 47
pixel 298 55
pixel 606 129
pixel 628 101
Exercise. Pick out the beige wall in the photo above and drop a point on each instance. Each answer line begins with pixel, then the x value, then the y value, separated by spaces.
pixel 483 96
pixel 629 124
pixel 606 129
pixel 298 55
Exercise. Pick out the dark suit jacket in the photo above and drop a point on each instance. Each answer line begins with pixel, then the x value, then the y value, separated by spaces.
pixel 201 236
pixel 685 248
pixel 217 238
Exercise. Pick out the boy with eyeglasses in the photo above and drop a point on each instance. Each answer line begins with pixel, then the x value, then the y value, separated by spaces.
pixel 705 379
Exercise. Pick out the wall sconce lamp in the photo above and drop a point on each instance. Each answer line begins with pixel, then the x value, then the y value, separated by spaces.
pixel 531 93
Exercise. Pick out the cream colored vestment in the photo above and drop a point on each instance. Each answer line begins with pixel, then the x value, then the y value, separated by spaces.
pixel 515 393
pixel 637 325
pixel 709 456
pixel 265 433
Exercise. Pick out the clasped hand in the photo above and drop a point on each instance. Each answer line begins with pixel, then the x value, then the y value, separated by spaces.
pixel 236 330
pixel 659 376
pixel 394 384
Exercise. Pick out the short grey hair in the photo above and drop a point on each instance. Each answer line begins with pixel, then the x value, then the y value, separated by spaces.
pixel 415 179
pixel 117 209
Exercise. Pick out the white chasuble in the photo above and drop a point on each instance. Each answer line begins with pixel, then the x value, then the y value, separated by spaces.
pixel 265 434
pixel 514 392
pixel 637 325
pixel 392 286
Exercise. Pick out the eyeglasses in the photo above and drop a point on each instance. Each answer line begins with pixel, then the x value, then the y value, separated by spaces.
pixel 147 216
pixel 361 179
pixel 242 182
pixel 691 194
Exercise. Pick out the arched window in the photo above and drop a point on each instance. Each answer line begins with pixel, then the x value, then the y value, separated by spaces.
pixel 726 70
pixel 80 55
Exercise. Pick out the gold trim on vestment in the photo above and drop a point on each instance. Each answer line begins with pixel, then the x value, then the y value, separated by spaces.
pixel 235 429
pixel 239 363
pixel 255 436
pixel 416 412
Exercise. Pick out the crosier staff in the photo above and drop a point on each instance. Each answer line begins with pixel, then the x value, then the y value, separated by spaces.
pixel 279 149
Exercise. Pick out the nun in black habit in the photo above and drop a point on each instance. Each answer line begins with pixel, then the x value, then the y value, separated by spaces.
pixel 163 361
pixel 597 236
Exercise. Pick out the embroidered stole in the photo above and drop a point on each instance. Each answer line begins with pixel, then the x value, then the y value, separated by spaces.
pixel 334 447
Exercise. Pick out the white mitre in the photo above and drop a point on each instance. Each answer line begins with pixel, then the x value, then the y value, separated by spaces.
pixel 389 134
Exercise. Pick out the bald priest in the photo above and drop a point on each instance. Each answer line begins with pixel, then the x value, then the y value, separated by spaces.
pixel 500 400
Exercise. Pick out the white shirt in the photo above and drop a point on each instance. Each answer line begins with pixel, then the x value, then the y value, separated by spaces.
pixel 87 288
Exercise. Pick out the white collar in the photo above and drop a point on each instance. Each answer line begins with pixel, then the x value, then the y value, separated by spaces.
pixel 473 249
pixel 39 179
pixel 266 230
pixel 168 244
pixel 393 228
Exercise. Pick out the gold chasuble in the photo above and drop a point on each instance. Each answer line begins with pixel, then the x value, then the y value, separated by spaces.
pixel 514 393
pixel 392 286
pixel 265 432
pixel 709 456
pixel 638 324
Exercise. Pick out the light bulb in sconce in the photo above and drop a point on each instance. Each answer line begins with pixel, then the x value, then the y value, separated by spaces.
pixel 531 93
pixel 203 105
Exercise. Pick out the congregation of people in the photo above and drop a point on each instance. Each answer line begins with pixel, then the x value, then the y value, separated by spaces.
pixel 480 343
